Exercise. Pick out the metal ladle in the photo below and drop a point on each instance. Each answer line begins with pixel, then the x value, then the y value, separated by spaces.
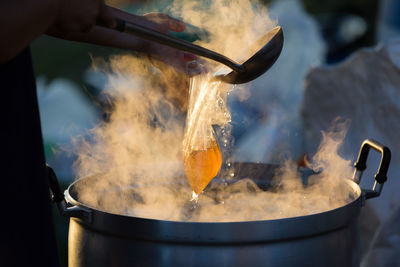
pixel 256 65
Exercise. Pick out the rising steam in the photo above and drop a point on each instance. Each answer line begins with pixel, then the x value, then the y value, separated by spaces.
pixel 137 153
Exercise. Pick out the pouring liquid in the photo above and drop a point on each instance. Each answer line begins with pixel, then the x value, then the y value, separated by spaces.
pixel 201 166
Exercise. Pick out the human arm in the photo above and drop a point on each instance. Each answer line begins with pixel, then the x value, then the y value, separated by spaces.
pixel 24 20
pixel 106 36
pixel 21 22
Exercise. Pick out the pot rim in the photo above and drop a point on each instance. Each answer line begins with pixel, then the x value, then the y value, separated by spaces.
pixel 220 232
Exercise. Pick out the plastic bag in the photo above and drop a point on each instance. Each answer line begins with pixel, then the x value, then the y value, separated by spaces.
pixel 201 153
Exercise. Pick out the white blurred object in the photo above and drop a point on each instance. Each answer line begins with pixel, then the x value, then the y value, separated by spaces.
pixel 366 89
pixel 352 28
pixel 279 92
pixel 385 247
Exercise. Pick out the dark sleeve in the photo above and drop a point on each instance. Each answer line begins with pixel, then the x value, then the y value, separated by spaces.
pixel 28 236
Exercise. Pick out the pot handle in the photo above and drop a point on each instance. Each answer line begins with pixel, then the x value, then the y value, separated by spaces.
pixel 62 206
pixel 361 165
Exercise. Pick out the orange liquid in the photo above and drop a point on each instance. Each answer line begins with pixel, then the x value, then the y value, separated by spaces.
pixel 201 166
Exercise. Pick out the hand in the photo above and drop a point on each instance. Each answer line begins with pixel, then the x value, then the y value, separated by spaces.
pixel 77 16
pixel 170 61
pixel 161 55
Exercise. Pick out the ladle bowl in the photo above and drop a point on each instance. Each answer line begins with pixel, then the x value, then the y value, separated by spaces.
pixel 261 61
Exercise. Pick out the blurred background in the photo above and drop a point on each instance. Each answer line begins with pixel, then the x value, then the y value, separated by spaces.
pixel 324 41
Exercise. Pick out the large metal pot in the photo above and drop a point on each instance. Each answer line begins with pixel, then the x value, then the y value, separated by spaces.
pixel 98 238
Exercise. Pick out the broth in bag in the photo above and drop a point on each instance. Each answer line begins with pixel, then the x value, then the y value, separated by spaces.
pixel 202 158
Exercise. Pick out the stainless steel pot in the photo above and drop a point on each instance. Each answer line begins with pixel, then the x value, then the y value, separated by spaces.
pixel 98 238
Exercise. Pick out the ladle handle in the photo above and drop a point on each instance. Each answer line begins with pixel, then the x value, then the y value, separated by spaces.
pixel 161 38
pixel 361 165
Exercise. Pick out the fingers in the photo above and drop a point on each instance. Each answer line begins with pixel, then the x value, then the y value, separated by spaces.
pixel 190 63
pixel 188 57
pixel 166 22
pixel 175 24
pixel 106 16
pixel 194 68
pixel 85 28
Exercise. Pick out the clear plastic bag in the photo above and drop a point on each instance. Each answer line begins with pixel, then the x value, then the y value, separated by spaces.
pixel 201 153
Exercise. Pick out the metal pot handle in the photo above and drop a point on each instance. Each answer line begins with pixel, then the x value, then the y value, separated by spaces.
pixel 58 198
pixel 361 165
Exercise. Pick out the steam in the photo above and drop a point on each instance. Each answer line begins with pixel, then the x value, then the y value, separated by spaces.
pixel 136 155
pixel 233 25
pixel 143 128
pixel 291 193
